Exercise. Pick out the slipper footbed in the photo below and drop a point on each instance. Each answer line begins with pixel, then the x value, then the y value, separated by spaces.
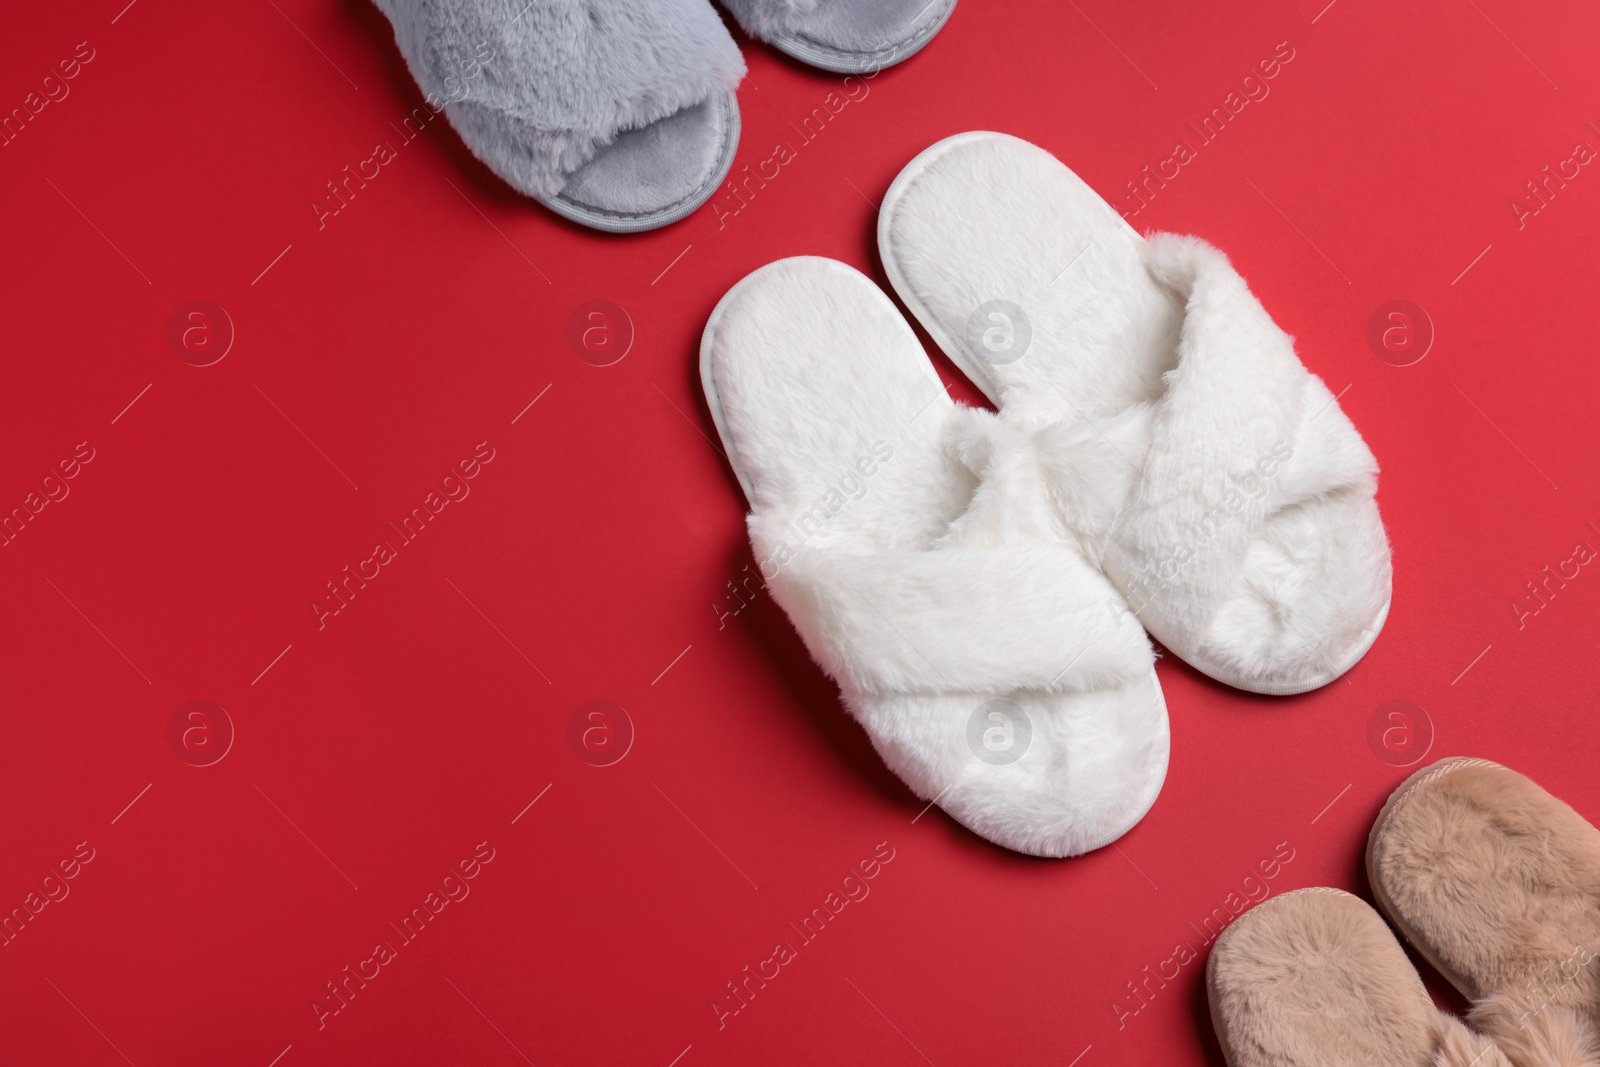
pixel 824 392
pixel 671 165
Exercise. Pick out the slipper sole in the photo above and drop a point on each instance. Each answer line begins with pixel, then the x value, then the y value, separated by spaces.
pixel 823 56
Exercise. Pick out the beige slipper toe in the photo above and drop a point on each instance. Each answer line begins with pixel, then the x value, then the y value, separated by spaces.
pixel 1497 884
pixel 1314 978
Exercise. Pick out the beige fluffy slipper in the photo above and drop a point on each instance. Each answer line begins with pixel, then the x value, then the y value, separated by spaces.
pixel 1497 884
pixel 1314 978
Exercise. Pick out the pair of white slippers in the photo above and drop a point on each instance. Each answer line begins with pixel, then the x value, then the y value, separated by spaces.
pixel 976 581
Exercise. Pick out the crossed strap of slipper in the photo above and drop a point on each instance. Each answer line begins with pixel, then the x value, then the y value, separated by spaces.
pixel 971 579
pixel 620 115
pixel 1492 880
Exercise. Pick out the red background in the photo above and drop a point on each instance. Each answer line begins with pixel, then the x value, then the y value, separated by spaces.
pixel 590 559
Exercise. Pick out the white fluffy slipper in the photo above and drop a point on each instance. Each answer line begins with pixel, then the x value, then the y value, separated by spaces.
pixel 913 546
pixel 844 36
pixel 1215 480
pixel 617 114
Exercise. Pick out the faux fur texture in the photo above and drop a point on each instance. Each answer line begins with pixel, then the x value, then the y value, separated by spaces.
pixel 1256 494
pixel 1215 480
pixel 914 547
pixel 1314 978
pixel 771 18
pixel 1498 883
pixel 1457 1046
pixel 1555 1036
pixel 537 88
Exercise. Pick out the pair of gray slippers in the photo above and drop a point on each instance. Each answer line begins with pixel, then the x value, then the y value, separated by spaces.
pixel 620 114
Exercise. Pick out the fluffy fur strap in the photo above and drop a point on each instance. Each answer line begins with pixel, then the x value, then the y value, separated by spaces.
pixel 1457 1046
pixel 980 620
pixel 561 78
pixel 768 18
pixel 1004 600
pixel 1551 1035
pixel 1242 431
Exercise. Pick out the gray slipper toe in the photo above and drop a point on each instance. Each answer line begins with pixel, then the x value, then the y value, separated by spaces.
pixel 617 114
pixel 654 176
pixel 844 36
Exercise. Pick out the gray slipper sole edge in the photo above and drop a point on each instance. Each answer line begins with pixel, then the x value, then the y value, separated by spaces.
pixel 814 53
pixel 620 222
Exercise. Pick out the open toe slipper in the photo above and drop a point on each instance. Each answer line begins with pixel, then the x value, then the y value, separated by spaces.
pixel 1215 480
pixel 1497 884
pixel 910 541
pixel 1313 978
pixel 617 114
pixel 844 36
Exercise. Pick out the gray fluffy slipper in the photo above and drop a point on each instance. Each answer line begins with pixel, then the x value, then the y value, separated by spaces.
pixel 617 114
pixel 844 36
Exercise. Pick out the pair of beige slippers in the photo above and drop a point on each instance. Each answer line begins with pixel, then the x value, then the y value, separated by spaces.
pixel 1492 880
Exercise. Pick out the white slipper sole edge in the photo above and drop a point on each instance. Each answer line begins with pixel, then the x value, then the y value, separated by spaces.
pixel 1369 637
